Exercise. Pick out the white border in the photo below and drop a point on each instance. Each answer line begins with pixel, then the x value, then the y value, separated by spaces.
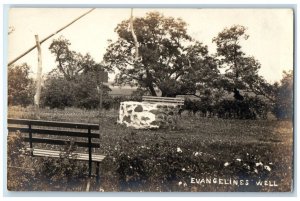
pixel 151 3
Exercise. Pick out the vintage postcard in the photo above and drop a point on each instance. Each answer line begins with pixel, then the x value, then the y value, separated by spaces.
pixel 150 100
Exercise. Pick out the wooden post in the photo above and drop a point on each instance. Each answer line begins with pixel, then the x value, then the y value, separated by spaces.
pixel 103 77
pixel 38 77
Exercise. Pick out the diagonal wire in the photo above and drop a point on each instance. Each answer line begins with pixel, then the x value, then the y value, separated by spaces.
pixel 32 48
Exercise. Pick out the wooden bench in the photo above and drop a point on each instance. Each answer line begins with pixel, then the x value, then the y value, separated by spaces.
pixel 51 132
pixel 156 99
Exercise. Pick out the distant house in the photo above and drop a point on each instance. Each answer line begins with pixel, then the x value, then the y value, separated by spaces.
pixel 125 90
pixel 121 91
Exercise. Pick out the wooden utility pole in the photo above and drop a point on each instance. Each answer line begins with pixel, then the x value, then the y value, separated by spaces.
pixel 102 78
pixel 38 77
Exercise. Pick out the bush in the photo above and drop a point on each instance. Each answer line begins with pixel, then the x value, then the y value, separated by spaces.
pixel 81 92
pixel 249 108
pixel 26 173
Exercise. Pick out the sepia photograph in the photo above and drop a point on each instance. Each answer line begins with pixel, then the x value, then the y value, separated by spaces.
pixel 150 99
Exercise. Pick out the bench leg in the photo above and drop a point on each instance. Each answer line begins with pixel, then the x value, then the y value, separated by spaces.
pixel 97 173
pixel 88 184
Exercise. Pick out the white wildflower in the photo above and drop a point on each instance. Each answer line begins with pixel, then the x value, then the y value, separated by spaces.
pixel 101 190
pixel 185 184
pixel 259 164
pixel 246 166
pixel 179 183
pixel 267 168
pixel 196 154
pixel 183 169
pixel 142 147
pixel 238 159
pixel 226 164
pixel 179 150
pixel 255 170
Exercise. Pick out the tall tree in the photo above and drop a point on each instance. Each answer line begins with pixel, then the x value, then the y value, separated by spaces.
pixel 169 59
pixel 241 71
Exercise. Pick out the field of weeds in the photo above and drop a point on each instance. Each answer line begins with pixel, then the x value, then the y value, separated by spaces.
pixel 198 155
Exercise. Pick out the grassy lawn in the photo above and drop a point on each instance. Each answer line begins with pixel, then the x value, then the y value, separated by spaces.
pixel 247 151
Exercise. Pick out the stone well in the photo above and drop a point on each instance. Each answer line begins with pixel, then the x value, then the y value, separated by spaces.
pixel 143 115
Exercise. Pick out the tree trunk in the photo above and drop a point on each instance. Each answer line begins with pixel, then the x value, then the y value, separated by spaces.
pixel 136 44
pixel 166 94
pixel 152 90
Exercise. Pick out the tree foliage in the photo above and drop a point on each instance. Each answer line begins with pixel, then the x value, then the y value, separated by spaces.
pixel 20 85
pixel 169 59
pixel 71 63
pixel 75 80
pixel 283 107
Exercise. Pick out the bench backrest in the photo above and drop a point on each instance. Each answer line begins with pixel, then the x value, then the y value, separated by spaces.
pixel 155 99
pixel 45 128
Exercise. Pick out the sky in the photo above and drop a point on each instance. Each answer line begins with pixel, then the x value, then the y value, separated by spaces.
pixel 270 31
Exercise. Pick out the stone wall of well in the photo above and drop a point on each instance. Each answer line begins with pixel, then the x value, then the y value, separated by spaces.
pixel 143 115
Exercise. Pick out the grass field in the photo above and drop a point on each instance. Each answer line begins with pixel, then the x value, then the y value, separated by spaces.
pixel 198 154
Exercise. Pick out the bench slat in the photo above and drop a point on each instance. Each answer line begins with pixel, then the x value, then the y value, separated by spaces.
pixel 52 123
pixel 60 142
pixel 57 154
pixel 178 101
pixel 162 101
pixel 162 98
pixel 53 132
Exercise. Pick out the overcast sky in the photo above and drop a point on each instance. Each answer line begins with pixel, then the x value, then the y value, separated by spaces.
pixel 270 31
